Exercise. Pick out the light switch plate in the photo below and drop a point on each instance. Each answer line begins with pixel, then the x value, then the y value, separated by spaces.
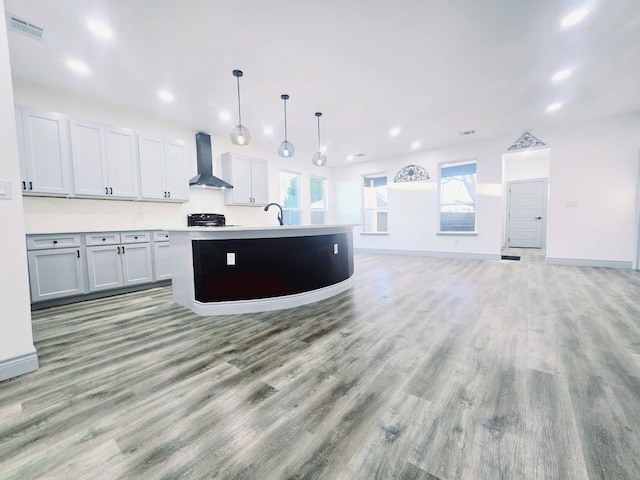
pixel 5 190
pixel 231 258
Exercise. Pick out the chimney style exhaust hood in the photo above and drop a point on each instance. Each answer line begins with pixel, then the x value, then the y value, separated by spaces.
pixel 205 176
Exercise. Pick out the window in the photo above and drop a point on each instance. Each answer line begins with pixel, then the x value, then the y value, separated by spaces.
pixel 374 203
pixel 290 197
pixel 458 198
pixel 318 200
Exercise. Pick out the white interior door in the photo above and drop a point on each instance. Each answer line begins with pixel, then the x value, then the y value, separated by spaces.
pixel 527 212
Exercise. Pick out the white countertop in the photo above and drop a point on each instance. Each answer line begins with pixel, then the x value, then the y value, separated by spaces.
pixel 254 229
pixel 275 231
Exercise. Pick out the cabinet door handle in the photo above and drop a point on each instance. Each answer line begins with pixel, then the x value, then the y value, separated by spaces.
pixel 30 185
pixel 24 185
pixel 78 252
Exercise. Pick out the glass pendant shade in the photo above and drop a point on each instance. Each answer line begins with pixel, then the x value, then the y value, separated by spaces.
pixel 286 148
pixel 240 134
pixel 319 158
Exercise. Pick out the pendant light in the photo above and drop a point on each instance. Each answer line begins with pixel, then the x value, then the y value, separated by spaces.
pixel 239 134
pixel 319 159
pixel 286 148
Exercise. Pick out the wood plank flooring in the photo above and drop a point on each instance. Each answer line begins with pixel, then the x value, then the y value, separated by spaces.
pixel 429 368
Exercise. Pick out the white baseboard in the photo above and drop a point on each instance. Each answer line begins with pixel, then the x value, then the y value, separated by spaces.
pixel 13 367
pixel 425 253
pixel 576 262
pixel 269 304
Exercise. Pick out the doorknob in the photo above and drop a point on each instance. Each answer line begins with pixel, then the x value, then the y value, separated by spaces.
pixel 538 218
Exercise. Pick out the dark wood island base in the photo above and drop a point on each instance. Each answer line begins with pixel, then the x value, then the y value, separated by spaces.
pixel 242 270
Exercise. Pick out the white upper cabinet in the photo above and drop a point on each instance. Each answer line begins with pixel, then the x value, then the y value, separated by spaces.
pixel 249 177
pixel 176 171
pixel 104 161
pixel 162 169
pixel 45 153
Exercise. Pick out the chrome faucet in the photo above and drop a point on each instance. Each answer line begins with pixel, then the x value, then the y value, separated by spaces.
pixel 279 215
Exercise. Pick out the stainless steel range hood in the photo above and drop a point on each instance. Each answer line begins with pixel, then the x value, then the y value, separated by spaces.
pixel 205 176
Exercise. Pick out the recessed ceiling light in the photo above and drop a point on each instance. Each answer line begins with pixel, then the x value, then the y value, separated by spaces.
pixel 99 28
pixel 574 17
pixel 415 145
pixel 394 132
pixel 561 75
pixel 268 131
pixel 165 96
pixel 78 66
pixel 226 116
pixel 554 107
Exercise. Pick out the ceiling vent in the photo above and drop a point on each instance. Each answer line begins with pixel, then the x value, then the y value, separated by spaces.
pixel 25 27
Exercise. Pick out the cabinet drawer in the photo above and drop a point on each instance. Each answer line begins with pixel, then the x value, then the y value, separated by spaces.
pixel 52 241
pixel 160 236
pixel 105 238
pixel 135 237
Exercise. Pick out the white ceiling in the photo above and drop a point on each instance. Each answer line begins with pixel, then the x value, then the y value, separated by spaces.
pixel 431 67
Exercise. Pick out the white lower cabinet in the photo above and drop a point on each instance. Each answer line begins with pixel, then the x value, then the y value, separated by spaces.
pixel 161 256
pixel 55 273
pixel 118 260
pixel 56 266
pixel 75 264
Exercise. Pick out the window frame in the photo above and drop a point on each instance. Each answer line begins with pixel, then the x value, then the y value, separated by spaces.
pixel 375 210
pixel 461 164
pixel 325 203
pixel 282 200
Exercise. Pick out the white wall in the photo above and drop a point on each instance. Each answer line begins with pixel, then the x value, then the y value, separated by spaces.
pixel 526 164
pixel 17 352
pixel 593 190
pixel 48 214
pixel 413 207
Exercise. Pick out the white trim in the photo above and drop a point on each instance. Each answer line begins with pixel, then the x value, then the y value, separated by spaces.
pixel 458 234
pixel 576 262
pixel 273 303
pixel 12 367
pixel 426 253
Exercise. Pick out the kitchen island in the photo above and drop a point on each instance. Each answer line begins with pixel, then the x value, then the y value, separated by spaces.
pixel 226 270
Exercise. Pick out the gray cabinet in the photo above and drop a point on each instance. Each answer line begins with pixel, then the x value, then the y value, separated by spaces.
pixel 162 169
pixel 250 180
pixel 161 256
pixel 104 161
pixel 118 259
pixel 45 152
pixel 56 266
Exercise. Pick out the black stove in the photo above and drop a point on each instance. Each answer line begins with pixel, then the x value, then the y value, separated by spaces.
pixel 206 220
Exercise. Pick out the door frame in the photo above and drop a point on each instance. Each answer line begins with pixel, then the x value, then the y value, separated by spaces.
pixel 544 208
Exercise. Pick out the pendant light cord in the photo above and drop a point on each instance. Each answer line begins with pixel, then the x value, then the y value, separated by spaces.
pixel 285 119
pixel 239 115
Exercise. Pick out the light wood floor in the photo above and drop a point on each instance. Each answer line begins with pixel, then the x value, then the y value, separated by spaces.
pixel 429 368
